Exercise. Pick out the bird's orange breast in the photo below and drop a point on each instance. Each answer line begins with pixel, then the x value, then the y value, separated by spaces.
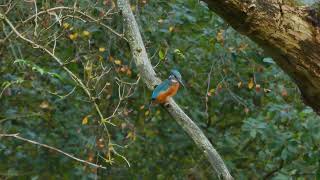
pixel 164 96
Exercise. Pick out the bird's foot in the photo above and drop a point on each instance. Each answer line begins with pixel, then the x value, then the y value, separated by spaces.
pixel 167 105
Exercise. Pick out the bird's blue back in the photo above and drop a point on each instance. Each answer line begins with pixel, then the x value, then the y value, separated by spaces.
pixel 164 86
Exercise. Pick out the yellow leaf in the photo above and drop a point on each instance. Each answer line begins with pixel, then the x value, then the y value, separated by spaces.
pixel 133 8
pixel 131 135
pixel 212 91
pixel 111 58
pixel 85 33
pixel 100 58
pixel 102 49
pixel 73 36
pixel 171 28
pixel 251 83
pixel 239 84
pixel 141 107
pixel 220 37
pixel 66 25
pixel 118 62
pixel 147 113
pixel 85 120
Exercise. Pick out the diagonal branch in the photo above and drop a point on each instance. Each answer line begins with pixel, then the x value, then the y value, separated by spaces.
pixel 149 77
pixel 52 148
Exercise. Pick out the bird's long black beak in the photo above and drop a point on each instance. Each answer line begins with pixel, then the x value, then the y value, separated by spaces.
pixel 180 81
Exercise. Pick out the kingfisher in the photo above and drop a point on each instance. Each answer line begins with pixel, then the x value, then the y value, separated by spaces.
pixel 167 88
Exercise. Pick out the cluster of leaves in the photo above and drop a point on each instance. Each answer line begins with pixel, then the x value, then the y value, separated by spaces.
pixel 248 108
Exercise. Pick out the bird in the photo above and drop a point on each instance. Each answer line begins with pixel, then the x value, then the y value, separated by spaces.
pixel 167 88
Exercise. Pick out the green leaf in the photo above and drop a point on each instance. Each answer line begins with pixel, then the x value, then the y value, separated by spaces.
pixel 253 133
pixel 268 60
pixel 179 53
pixel 161 54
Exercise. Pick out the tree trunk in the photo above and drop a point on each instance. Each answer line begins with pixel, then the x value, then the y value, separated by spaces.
pixel 291 35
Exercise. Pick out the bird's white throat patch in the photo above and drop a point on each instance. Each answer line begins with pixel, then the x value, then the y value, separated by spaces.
pixel 173 80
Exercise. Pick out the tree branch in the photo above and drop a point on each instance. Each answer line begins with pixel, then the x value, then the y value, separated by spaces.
pixel 149 77
pixel 291 35
pixel 52 148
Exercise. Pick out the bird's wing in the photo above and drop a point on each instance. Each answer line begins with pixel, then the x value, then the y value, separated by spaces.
pixel 164 86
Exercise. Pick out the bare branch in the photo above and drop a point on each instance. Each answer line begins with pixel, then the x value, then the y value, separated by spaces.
pixel 52 148
pixel 149 77
pixel 63 8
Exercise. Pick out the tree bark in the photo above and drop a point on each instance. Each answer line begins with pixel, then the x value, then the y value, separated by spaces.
pixel 147 73
pixel 291 35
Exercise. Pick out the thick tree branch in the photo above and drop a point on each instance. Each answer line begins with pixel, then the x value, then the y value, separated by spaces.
pixel 291 35
pixel 149 76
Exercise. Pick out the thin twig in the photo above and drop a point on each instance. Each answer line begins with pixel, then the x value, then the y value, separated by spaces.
pixel 20 116
pixel 52 148
pixel 72 75
pixel 49 11
pixel 208 88
pixel 36 18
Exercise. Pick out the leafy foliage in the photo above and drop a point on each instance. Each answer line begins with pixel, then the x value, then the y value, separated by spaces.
pixel 248 108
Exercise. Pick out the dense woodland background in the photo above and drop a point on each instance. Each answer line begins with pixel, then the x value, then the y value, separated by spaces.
pixel 249 109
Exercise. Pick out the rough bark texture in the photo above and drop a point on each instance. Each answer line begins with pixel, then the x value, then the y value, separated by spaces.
pixel 289 34
pixel 149 76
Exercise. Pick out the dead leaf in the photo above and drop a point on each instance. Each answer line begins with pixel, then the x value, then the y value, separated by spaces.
pixel 131 135
pixel 251 83
pixel 246 110
pixel 85 120
pixel 220 37
pixel 284 92
pixel 44 105
pixel 239 84
pixel 258 87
